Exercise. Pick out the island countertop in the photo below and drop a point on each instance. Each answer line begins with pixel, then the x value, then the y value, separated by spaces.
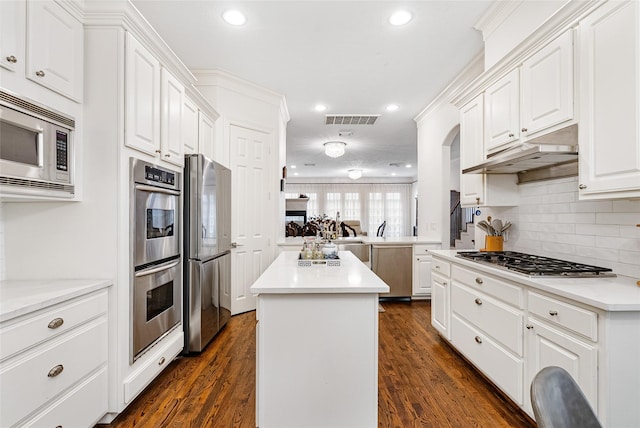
pixel 284 276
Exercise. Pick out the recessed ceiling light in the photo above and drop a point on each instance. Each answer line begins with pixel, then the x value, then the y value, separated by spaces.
pixel 392 107
pixel 293 167
pixel 408 165
pixel 320 107
pixel 234 17
pixel 393 174
pixel 295 173
pixel 400 17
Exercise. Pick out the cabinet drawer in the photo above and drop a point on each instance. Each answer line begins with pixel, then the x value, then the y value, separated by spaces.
pixel 504 369
pixel 499 289
pixel 79 352
pixel 441 266
pixel 502 322
pixel 81 407
pixel 578 320
pixel 31 330
pixel 421 249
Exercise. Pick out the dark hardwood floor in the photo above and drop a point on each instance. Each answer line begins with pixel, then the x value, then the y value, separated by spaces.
pixel 422 381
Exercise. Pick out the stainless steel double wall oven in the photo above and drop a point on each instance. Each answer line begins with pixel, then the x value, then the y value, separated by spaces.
pixel 156 290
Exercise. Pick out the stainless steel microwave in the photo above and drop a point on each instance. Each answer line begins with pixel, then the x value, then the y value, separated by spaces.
pixel 36 149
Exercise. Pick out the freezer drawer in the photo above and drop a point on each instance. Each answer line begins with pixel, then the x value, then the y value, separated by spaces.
pixel 394 265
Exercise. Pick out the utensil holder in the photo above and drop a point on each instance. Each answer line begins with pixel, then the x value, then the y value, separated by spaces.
pixel 493 243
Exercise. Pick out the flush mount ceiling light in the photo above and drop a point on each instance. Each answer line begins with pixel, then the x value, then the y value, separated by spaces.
pixel 320 107
pixel 400 17
pixel 334 149
pixel 234 17
pixel 354 174
pixel 392 107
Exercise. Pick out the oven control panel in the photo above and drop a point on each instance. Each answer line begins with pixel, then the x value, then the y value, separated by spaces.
pixel 159 175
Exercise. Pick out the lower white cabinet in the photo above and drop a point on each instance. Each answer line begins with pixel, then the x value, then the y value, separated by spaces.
pixel 421 277
pixel 440 292
pixel 53 366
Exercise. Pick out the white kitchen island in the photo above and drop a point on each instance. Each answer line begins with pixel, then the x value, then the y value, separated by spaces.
pixel 317 344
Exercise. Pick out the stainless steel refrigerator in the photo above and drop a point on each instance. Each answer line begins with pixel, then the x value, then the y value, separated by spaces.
pixel 207 249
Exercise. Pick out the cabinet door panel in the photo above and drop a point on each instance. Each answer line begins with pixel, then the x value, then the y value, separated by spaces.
pixel 502 110
pixel 12 28
pixel 422 276
pixel 610 102
pixel 440 304
pixel 206 137
pixel 472 151
pixel 142 98
pixel 190 127
pixel 54 48
pixel 172 93
pixel 547 86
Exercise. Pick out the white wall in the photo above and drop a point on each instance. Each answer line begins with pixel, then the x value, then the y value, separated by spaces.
pixel 454 177
pixel 3 266
pixel 551 221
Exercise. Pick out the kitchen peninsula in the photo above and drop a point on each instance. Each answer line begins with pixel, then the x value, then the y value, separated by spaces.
pixel 317 344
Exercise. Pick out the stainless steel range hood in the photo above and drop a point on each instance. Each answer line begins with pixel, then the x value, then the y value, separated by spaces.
pixel 550 150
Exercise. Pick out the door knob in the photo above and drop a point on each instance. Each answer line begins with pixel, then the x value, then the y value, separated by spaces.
pixel 236 245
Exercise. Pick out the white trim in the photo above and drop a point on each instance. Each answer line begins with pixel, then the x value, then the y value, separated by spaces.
pixel 346 180
pixel 497 13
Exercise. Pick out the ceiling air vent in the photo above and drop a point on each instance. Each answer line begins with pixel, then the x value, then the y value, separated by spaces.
pixel 351 119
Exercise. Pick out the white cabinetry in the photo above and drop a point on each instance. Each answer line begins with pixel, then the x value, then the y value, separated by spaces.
pixel 422 270
pixel 190 127
pixel 440 292
pixel 142 98
pixel 480 189
pixel 53 364
pixel 609 165
pixel 172 96
pixel 153 105
pixel 12 35
pixel 54 48
pixel 43 42
pixel 561 334
pixel 547 82
pixel 486 326
pixel 502 109
pixel 206 133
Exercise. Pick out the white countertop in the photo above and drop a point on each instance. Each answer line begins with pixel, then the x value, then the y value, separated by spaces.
pixel 20 297
pixel 410 240
pixel 610 294
pixel 285 277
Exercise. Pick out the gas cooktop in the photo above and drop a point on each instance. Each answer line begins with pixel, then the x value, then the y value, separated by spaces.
pixel 536 266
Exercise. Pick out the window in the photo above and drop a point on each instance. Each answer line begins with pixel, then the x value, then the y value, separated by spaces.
pixel 351 207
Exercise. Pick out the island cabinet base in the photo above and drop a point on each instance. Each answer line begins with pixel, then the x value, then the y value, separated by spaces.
pixel 317 360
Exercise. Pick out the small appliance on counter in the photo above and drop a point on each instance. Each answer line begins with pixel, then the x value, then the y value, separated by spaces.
pixel 207 249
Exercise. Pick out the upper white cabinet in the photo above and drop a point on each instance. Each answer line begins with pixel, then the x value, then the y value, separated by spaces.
pixel 172 96
pixel 609 164
pixel 471 151
pixel 12 35
pixel 206 134
pixel 142 98
pixel 54 48
pixel 502 109
pixel 43 42
pixel 154 102
pixel 547 82
pixel 190 126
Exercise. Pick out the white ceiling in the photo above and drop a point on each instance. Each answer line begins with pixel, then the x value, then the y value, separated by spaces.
pixel 344 54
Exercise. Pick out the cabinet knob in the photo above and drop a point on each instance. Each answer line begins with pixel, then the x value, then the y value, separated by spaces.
pixel 479 280
pixel 168 155
pixel 12 59
pixel 444 282
pixel 55 323
pixel 55 371
pixel 582 186
pixel 40 73
pixel 478 339
pixel 529 327
pixel 478 301
pixel 511 135
pixel 158 151
pixel 437 266
pixel 553 313
pixel 524 129
pixel 161 361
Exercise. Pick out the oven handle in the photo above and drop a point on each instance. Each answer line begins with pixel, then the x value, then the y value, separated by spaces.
pixel 157 189
pixel 157 269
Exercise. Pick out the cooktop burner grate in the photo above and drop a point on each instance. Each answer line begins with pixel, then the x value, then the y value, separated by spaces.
pixel 532 265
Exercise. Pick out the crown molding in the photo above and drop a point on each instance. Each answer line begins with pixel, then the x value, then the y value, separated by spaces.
pixel 495 15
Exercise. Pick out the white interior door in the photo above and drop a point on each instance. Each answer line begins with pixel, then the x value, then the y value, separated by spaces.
pixel 249 158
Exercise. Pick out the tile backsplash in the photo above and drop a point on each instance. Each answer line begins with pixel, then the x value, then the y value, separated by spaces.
pixel 551 221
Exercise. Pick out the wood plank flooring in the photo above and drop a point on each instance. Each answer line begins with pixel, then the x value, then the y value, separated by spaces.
pixel 422 381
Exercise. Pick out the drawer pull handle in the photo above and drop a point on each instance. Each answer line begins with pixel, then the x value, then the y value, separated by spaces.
pixel 553 313
pixel 12 59
pixel 478 302
pixel 529 327
pixel 479 280
pixel 55 323
pixel 40 73
pixel 437 266
pixel 161 362
pixel 511 135
pixel 55 371
pixel 478 339
pixel 444 282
